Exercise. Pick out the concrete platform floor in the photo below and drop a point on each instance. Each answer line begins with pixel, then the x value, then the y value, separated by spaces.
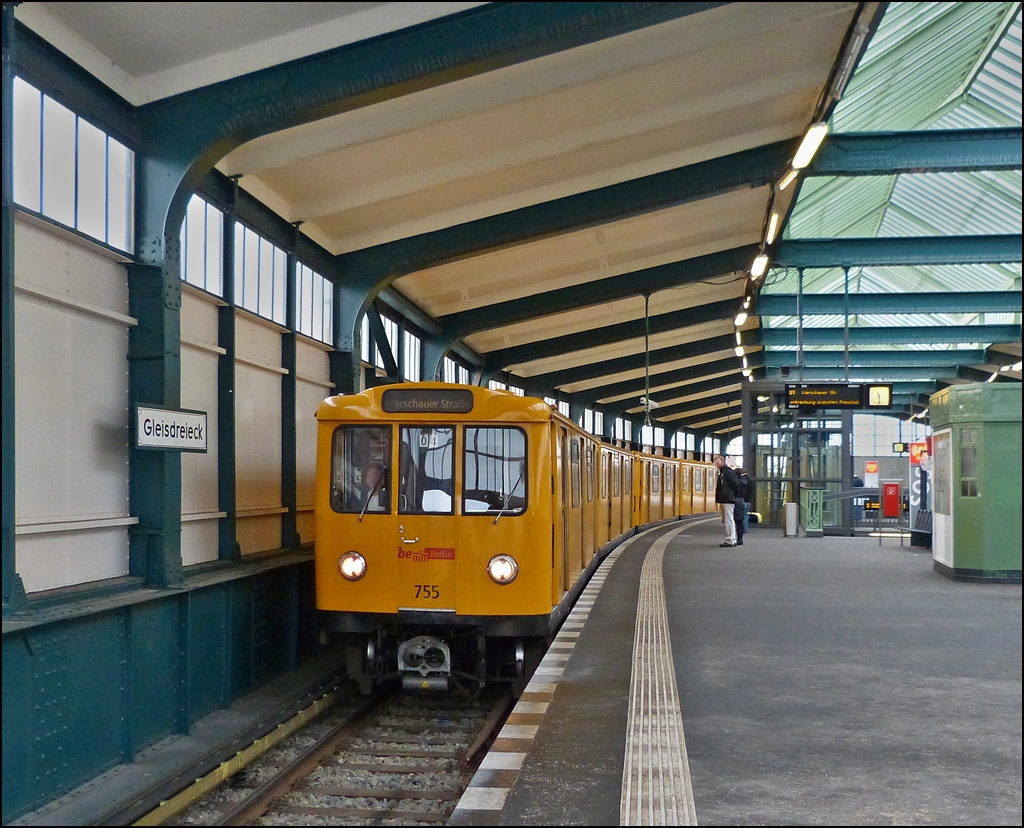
pixel 821 682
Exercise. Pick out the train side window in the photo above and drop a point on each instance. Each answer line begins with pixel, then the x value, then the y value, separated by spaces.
pixel 426 477
pixel 616 476
pixel 494 472
pixel 590 473
pixel 605 463
pixel 361 469
pixel 698 479
pixel 574 460
pixel 655 477
pixel 669 474
pixel 687 473
pixel 627 477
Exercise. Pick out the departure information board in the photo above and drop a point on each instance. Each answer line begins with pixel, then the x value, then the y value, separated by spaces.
pixel 839 395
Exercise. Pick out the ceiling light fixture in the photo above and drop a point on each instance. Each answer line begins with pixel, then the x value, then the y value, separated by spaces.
pixel 812 140
pixel 773 228
pixel 739 338
pixel 741 317
pixel 787 179
pixel 758 267
pixel 738 350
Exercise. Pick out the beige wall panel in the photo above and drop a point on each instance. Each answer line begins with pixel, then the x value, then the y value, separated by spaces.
pixel 258 534
pixel 199 483
pixel 307 398
pixel 71 418
pixel 77 269
pixel 198 317
pixel 199 541
pixel 258 438
pixel 311 359
pixel 304 526
pixel 60 559
pixel 257 340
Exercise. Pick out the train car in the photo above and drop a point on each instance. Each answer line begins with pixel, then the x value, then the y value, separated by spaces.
pixel 456 526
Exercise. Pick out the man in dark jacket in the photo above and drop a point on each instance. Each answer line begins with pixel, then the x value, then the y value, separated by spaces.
pixel 725 494
pixel 743 493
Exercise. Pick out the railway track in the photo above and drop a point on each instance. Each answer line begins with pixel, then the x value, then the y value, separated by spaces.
pixel 391 759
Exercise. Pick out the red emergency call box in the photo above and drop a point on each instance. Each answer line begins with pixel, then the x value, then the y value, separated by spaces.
pixel 891 499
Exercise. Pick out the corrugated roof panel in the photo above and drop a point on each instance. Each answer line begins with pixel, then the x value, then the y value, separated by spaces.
pixel 950 204
pixel 830 207
pixel 999 83
pixel 919 58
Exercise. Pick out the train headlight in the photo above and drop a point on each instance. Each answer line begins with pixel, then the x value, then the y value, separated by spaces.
pixel 352 566
pixel 502 569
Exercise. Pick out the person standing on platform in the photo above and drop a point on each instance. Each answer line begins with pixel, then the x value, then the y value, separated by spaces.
pixel 725 494
pixel 742 511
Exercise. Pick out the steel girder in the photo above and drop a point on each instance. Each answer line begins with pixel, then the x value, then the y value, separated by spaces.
pixel 835 304
pixel 940 150
pixel 906 250
pixel 862 375
pixel 582 373
pixel 571 343
pixel 925 334
pixel 860 360
pixel 679 375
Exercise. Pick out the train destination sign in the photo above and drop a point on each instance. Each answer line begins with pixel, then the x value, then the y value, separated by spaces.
pixel 427 401
pixel 169 429
pixel 839 395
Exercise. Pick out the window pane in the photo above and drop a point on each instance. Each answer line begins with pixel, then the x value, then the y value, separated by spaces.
pixel 120 195
pixel 616 476
pixel 92 181
pixel 277 312
pixel 360 469
pixel 239 264
pixel 27 144
pixel 574 462
pixel 426 480
pixel 193 256
pixel 58 162
pixel 214 250
pixel 494 471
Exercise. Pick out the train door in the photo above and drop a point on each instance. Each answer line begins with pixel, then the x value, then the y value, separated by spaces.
pixel 425 532
pixel 627 493
pixel 606 515
pixel 615 496
pixel 685 489
pixel 589 510
pixel 574 550
pixel 562 511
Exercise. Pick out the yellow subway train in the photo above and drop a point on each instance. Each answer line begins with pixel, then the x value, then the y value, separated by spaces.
pixel 455 526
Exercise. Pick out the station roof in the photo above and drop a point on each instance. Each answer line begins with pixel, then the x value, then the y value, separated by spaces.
pixel 579 202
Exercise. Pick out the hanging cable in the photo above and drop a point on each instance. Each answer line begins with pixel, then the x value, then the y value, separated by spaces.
pixel 647 360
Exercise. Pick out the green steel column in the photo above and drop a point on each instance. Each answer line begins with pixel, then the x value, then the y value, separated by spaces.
pixel 154 378
pixel 289 474
pixel 14 590
pixel 228 548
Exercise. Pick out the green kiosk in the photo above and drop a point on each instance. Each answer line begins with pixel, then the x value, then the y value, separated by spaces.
pixel 976 482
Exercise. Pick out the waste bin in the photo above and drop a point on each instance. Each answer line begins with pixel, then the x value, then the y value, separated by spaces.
pixel 791 512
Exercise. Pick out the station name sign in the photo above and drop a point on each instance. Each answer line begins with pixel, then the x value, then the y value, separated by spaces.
pixel 839 395
pixel 169 429
pixel 427 401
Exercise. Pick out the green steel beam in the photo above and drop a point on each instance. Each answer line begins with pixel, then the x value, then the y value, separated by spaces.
pixel 862 375
pixel 870 359
pixel 13 590
pixel 668 394
pixel 543 383
pixel 925 334
pixel 184 135
pixel 289 393
pixel 921 151
pixel 600 291
pixel 380 340
pixel 726 399
pixel 227 539
pixel 679 375
pixel 594 337
pixel 53 72
pixel 908 250
pixel 833 304
pixel 979 375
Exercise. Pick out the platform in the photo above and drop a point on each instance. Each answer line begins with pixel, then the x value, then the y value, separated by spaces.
pixel 820 681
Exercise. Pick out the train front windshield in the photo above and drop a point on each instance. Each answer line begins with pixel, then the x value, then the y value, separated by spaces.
pixel 494 470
